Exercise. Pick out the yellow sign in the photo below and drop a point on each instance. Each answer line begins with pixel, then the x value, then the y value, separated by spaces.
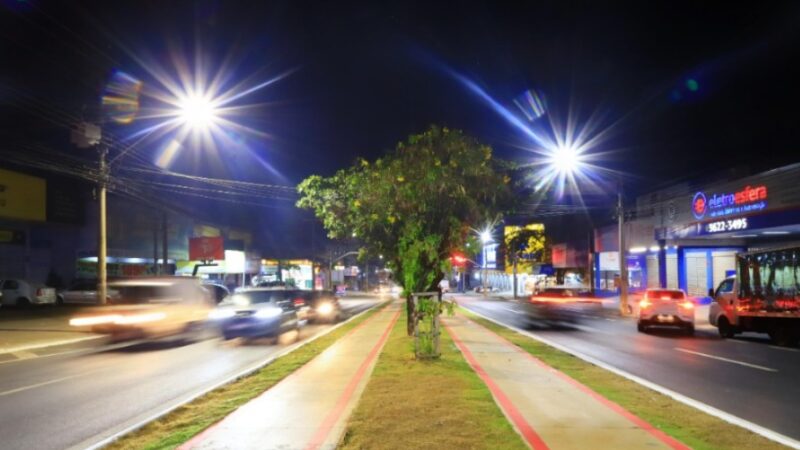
pixel 22 197
pixel 535 247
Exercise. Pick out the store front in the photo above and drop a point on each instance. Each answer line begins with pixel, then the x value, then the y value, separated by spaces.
pixel 689 235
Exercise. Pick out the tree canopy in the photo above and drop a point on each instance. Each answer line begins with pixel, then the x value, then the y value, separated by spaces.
pixel 415 205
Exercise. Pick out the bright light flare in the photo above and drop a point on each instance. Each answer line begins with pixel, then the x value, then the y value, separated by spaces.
pixel 197 111
pixel 486 236
pixel 566 160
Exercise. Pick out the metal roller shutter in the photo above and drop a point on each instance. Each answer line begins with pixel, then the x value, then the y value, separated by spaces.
pixel 696 274
pixel 722 262
pixel 652 271
pixel 672 271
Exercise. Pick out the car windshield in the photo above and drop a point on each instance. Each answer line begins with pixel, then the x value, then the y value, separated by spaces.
pixel 665 295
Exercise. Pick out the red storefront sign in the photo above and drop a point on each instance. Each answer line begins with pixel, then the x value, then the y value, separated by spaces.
pixel 206 248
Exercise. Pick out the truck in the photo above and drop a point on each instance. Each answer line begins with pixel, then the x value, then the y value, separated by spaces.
pixel 763 296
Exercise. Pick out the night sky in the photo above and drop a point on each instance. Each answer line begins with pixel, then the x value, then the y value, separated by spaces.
pixel 685 89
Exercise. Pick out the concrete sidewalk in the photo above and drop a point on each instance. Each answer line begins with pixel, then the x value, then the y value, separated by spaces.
pixel 309 408
pixel 547 407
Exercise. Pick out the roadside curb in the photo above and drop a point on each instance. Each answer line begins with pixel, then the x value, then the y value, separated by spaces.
pixel 708 409
pixel 252 369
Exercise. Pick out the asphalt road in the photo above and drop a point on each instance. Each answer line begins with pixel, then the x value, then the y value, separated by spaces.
pixel 746 376
pixel 75 399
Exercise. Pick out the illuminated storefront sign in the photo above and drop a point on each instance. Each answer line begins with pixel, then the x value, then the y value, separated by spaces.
pixel 718 205
pixel 722 226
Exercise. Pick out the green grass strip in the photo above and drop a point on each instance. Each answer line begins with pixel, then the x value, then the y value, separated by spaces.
pixel 692 427
pixel 188 420
pixel 430 404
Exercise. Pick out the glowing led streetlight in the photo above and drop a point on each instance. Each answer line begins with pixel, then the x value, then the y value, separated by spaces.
pixel 486 236
pixel 197 111
pixel 565 160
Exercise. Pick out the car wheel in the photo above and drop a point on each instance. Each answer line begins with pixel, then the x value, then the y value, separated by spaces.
pixel 690 329
pixel 726 331
pixel 60 300
pixel 23 303
pixel 641 328
pixel 783 336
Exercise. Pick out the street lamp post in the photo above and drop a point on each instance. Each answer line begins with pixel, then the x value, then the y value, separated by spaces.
pixel 623 263
pixel 486 237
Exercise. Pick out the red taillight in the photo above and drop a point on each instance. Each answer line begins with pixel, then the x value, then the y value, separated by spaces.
pixel 299 302
pixel 39 292
pixel 645 303
pixel 687 304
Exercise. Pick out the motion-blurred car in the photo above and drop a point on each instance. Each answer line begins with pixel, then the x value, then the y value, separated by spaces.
pixel 84 292
pixel 560 305
pixel 151 308
pixel 23 293
pixel 218 292
pixel 666 308
pixel 255 312
pixel 323 307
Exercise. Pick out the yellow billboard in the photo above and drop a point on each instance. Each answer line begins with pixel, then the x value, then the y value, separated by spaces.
pixel 22 197
pixel 531 254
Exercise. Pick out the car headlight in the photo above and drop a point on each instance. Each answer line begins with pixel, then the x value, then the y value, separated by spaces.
pixel 325 308
pixel 268 313
pixel 218 314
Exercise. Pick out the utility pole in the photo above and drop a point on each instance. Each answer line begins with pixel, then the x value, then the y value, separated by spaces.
pixel 102 280
pixel 623 263
pixel 156 267
pixel 165 250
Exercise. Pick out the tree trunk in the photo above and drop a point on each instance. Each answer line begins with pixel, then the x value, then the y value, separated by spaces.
pixel 410 315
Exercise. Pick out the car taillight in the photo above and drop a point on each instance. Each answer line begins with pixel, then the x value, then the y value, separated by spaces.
pixel 299 302
pixel 687 304
pixel 39 292
pixel 645 303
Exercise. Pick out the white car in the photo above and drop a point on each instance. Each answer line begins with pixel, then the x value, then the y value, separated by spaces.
pixel 25 293
pixel 666 308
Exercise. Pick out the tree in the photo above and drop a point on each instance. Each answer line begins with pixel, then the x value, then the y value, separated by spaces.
pixel 524 243
pixel 414 205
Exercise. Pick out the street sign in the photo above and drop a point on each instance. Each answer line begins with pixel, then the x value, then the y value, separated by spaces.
pixel 206 248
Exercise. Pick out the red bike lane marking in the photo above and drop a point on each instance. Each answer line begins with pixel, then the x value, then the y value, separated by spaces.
pixel 198 438
pixel 525 429
pixel 336 413
pixel 638 421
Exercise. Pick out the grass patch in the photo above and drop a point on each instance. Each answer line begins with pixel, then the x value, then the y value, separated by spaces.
pixel 689 425
pixel 188 420
pixel 429 404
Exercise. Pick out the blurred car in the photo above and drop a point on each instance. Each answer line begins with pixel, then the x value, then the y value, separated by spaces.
pixel 151 308
pixel 218 292
pixel 22 293
pixel 666 308
pixel 323 307
pixel 256 312
pixel 83 292
pixel 560 304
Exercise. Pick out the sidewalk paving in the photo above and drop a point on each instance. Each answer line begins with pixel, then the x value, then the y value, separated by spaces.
pixel 547 407
pixel 309 408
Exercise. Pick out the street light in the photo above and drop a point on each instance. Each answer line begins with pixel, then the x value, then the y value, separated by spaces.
pixel 197 111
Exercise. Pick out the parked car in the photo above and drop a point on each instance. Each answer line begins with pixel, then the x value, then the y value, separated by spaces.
pixel 256 312
pixel 22 293
pixel 152 308
pixel 666 308
pixel 84 292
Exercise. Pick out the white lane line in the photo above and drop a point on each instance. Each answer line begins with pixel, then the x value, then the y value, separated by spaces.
pixel 44 383
pixel 785 348
pixel 511 309
pixel 48 344
pixel 686 400
pixel 732 361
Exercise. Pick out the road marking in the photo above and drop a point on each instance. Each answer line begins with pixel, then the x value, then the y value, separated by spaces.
pixel 47 344
pixel 511 309
pixel 686 400
pixel 44 383
pixel 784 348
pixel 24 354
pixel 733 361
